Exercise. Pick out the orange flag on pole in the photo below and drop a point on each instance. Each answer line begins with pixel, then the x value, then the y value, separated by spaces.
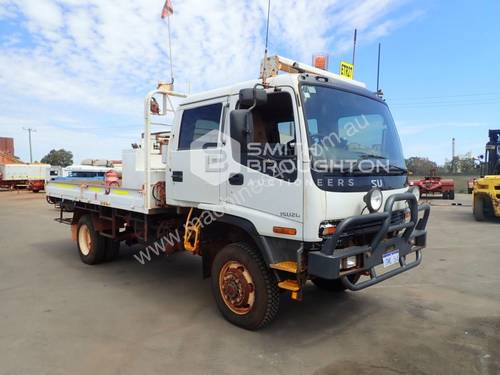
pixel 168 9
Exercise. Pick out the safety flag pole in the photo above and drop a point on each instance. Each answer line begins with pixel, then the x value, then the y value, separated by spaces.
pixel 167 11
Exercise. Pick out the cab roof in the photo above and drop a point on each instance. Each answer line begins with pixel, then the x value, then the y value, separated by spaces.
pixel 289 79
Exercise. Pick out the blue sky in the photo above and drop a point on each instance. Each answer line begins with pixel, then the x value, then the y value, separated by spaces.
pixel 441 76
pixel 77 71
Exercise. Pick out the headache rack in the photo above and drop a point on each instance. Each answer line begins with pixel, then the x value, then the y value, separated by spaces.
pixel 166 91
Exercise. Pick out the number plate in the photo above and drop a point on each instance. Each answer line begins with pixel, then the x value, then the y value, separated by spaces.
pixel 390 258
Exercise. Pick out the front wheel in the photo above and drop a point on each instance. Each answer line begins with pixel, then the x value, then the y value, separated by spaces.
pixel 479 214
pixel 245 290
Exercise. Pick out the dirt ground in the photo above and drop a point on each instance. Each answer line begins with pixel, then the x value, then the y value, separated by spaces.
pixel 60 316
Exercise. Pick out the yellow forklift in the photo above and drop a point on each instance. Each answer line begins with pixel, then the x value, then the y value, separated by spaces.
pixel 486 193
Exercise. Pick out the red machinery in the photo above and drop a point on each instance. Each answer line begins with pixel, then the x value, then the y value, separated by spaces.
pixel 36 185
pixel 434 184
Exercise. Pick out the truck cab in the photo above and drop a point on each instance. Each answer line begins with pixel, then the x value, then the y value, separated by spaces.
pixel 312 166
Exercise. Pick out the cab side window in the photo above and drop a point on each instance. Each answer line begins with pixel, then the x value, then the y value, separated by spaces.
pixel 272 151
pixel 273 122
pixel 200 127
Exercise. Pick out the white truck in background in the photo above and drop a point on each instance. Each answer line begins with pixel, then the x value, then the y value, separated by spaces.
pixel 93 171
pixel 31 176
pixel 252 178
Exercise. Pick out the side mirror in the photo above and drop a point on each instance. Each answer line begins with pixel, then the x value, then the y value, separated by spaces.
pixel 252 97
pixel 241 122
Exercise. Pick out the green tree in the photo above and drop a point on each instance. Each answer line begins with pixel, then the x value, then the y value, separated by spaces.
pixel 420 166
pixel 60 157
pixel 462 164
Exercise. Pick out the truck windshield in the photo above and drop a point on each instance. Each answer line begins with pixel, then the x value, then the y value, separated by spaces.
pixel 350 132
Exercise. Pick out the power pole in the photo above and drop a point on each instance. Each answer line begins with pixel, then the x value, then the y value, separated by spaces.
pixel 29 130
pixel 453 155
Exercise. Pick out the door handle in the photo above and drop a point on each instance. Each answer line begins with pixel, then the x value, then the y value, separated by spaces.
pixel 236 179
pixel 177 176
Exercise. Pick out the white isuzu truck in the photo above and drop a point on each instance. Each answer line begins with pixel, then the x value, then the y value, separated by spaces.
pixel 290 178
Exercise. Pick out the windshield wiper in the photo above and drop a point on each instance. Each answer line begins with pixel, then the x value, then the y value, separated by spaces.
pixel 399 170
pixel 391 167
pixel 372 156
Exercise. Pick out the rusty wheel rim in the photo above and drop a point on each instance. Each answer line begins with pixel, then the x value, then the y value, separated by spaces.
pixel 236 287
pixel 85 240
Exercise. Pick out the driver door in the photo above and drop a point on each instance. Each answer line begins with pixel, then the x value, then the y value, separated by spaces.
pixel 269 184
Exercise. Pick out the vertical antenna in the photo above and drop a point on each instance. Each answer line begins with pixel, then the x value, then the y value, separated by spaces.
pixel 378 69
pixel 267 26
pixel 354 47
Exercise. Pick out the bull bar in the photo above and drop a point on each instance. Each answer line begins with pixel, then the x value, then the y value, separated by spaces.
pixel 408 237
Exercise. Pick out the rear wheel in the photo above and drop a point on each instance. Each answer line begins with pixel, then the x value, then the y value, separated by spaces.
pixel 91 246
pixel 334 285
pixel 446 195
pixel 244 288
pixel 451 195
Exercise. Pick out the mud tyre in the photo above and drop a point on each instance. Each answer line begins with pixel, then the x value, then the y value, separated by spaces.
pixel 91 245
pixel 244 288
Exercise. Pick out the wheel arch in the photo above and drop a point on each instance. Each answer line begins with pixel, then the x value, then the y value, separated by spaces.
pixel 238 229
pixel 78 213
pixel 272 249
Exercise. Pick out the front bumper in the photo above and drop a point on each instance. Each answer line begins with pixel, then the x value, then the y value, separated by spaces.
pixel 406 237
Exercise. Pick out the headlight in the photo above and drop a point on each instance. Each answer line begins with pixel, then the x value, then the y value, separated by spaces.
pixel 374 199
pixel 415 191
